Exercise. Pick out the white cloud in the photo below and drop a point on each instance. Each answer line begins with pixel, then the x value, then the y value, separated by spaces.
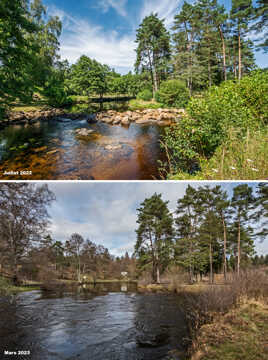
pixel 81 37
pixel 166 9
pixel 117 5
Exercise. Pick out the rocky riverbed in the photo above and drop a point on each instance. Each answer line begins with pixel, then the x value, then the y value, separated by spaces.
pixel 160 117
pixel 149 116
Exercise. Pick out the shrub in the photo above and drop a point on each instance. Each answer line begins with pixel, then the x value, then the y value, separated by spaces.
pixel 57 96
pixel 173 93
pixel 241 106
pixel 2 112
pixel 145 95
pixel 157 96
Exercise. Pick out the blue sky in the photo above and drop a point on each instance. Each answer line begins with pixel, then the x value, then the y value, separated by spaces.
pixel 105 29
pixel 106 213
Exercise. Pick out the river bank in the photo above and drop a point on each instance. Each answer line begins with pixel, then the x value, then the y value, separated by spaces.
pixel 241 333
pixel 7 288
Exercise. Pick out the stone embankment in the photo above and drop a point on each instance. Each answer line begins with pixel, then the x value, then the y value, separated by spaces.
pixel 148 116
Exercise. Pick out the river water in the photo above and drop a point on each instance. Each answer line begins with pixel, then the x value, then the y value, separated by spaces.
pixel 106 322
pixel 51 150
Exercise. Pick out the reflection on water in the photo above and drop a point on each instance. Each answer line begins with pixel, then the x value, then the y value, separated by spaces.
pixel 51 150
pixel 102 322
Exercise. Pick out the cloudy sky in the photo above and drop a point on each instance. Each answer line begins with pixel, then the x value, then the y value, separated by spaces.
pixel 106 213
pixel 105 29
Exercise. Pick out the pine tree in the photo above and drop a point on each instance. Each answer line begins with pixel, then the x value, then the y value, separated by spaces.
pixel 153 49
pixel 188 253
pixel 186 36
pixel 241 204
pixel 222 208
pixel 241 14
pixel 261 212
pixel 154 235
pixel 261 17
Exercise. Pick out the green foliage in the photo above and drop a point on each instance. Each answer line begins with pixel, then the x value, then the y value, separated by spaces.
pixel 141 105
pixel 241 106
pixel 88 77
pixel 238 157
pixel 28 49
pixel 56 96
pixel 173 93
pixel 145 95
pixel 154 235
pixel 153 50
pixel 261 15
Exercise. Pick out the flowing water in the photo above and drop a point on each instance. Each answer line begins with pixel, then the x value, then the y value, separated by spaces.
pixel 51 150
pixel 103 322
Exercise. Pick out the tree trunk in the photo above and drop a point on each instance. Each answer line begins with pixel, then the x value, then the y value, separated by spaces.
pixel 238 248
pixel 155 81
pixel 157 274
pixel 190 265
pixel 152 72
pixel 224 248
pixel 78 271
pixel 210 264
pixel 223 53
pixel 239 57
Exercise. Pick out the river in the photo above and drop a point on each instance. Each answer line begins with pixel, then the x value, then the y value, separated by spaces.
pixel 105 322
pixel 48 150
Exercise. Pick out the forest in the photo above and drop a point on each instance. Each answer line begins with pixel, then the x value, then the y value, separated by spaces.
pixel 210 232
pixel 204 63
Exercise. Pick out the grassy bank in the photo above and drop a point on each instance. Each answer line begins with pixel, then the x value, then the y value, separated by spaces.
pixel 224 135
pixel 7 288
pixel 240 334
pixel 238 158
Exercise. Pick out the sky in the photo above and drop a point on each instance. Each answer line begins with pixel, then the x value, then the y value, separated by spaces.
pixel 105 29
pixel 106 213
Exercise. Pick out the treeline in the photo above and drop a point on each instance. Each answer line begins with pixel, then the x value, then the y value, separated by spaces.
pixel 260 260
pixel 207 45
pixel 28 251
pixel 74 259
pixel 210 230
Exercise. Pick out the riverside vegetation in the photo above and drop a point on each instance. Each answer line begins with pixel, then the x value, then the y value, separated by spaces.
pixel 204 65
pixel 204 253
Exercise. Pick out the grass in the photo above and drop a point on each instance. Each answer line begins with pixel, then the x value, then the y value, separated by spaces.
pixel 136 104
pixel 82 105
pixel 240 334
pixel 239 158
pixel 7 288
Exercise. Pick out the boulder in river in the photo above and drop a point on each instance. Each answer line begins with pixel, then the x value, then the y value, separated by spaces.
pixel 91 118
pixel 84 132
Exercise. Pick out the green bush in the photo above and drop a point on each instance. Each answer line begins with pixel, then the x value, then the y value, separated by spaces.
pixel 242 106
pixel 157 97
pixel 57 97
pixel 145 95
pixel 2 112
pixel 173 93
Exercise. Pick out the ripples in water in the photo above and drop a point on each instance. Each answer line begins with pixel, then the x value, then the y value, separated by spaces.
pixel 84 325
